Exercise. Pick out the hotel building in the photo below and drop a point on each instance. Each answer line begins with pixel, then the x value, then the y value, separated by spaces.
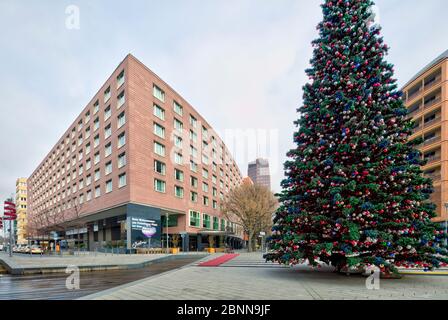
pixel 21 208
pixel 137 163
pixel 425 96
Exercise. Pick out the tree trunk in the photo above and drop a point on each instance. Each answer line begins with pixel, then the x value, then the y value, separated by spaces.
pixel 249 242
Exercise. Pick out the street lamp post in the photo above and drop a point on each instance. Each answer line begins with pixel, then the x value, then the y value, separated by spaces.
pixel 167 235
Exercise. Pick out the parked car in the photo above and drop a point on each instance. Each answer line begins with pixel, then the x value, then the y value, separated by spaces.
pixel 35 249
pixel 26 249
pixel 1 247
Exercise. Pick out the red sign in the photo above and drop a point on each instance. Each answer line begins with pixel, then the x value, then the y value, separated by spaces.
pixel 10 211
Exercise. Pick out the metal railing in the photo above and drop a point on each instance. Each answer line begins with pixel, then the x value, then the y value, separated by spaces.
pixel 431 122
pixel 432 102
pixel 414 94
pixel 432 83
pixel 432 159
pixel 431 141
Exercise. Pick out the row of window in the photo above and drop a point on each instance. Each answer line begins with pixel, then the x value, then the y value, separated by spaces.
pixel 107 95
pixel 160 186
pixel 121 162
pixel 209 222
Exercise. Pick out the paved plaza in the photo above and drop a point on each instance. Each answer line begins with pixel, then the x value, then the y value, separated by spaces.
pixel 249 277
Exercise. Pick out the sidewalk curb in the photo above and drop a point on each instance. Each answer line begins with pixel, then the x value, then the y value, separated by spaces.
pixel 15 269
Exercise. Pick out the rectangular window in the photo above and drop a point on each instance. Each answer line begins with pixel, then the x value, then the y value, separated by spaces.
pixel 122 180
pixel 120 79
pixel 172 221
pixel 205 159
pixel 206 221
pixel 88 148
pixel 96 124
pixel 193 166
pixel 159 167
pixel 215 204
pixel 96 141
pixel 178 141
pixel 179 191
pixel 195 219
pixel 121 100
pixel 89 195
pixel 108 169
pixel 87 132
pixel 121 120
pixel 96 107
pixel 178 175
pixel 215 192
pixel 87 118
pixel 122 160
pixel 109 186
pixel 215 223
pixel 158 93
pixel 178 108
pixel 97 191
pixel 97 174
pixel 194 182
pixel 121 140
pixel 205 201
pixel 204 187
pixel 178 125
pixel 193 136
pixel 193 196
pixel 178 158
pixel 159 130
pixel 107 95
pixel 223 225
pixel 97 158
pixel 107 131
pixel 108 150
pixel 193 152
pixel 159 149
pixel 81 198
pixel 88 180
pixel 193 121
pixel 159 112
pixel 205 173
pixel 107 113
pixel 159 185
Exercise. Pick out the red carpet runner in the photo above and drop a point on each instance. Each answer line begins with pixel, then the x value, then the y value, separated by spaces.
pixel 218 261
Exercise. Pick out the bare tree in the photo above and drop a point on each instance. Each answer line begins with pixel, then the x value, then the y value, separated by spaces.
pixel 250 206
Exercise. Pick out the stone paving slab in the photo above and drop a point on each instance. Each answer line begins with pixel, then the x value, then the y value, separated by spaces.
pixel 284 283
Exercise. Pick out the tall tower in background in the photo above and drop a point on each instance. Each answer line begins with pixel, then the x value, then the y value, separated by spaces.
pixel 426 98
pixel 21 204
pixel 258 171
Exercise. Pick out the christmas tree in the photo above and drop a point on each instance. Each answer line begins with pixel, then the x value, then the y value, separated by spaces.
pixel 354 194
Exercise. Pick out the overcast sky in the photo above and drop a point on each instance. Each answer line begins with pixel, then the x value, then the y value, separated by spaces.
pixel 240 63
